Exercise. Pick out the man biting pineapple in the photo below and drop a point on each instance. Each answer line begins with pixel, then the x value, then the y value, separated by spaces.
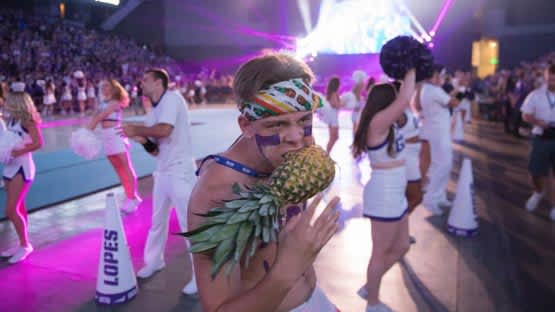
pixel 245 211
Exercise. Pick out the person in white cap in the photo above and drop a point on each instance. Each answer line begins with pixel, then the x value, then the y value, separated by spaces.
pixel 23 120
pixel 353 99
pixel 167 136
pixel 539 110
pixel 436 130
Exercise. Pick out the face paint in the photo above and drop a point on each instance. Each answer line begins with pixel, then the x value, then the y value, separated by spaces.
pixel 308 130
pixel 270 140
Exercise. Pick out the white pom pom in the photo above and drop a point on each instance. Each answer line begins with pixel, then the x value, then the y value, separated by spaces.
pixel 85 143
pixel 8 142
pixel 359 76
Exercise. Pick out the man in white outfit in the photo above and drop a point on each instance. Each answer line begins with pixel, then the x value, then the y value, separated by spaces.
pixel 167 136
pixel 436 129
pixel 539 110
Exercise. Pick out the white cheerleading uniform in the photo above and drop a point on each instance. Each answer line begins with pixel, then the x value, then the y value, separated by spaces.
pixel 113 143
pixel 23 164
pixel 81 95
pixel 174 176
pixel 384 195
pixel 329 114
pixel 66 96
pixel 91 92
pixel 49 98
pixel 411 129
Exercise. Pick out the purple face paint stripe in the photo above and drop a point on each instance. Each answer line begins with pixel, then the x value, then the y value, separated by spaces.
pixel 267 140
pixel 308 131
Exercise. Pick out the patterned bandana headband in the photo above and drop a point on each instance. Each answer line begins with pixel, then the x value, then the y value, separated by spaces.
pixel 284 97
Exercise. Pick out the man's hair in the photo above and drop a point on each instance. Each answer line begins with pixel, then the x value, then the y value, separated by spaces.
pixel 159 73
pixel 265 70
pixel 550 69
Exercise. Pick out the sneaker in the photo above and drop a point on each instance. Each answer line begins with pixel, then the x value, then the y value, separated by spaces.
pixel 434 209
pixel 9 252
pixel 363 292
pixel 533 201
pixel 191 287
pixel 21 253
pixel 380 307
pixel 552 214
pixel 147 271
pixel 130 205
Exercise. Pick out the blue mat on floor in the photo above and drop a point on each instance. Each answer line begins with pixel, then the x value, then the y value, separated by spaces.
pixel 62 175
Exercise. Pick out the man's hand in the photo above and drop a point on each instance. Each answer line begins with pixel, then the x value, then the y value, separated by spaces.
pixel 302 241
pixel 139 139
pixel 127 130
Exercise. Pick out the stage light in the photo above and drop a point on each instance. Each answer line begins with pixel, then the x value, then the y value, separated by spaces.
pixel 432 33
pixel 441 15
pixel 354 27
pixel 431 45
pixel 112 2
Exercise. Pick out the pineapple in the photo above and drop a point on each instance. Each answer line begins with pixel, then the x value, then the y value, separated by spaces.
pixel 241 224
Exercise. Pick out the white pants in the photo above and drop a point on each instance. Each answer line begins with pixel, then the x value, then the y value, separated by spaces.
pixel 440 168
pixel 168 189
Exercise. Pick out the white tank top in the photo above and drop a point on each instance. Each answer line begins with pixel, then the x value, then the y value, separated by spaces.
pixel 378 154
pixel 411 128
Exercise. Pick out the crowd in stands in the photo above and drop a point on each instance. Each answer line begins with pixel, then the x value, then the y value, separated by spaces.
pixel 53 55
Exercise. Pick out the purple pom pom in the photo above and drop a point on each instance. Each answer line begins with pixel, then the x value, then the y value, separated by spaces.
pixel 402 53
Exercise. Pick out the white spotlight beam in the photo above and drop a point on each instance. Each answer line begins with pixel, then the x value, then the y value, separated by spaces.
pixel 413 19
pixel 304 9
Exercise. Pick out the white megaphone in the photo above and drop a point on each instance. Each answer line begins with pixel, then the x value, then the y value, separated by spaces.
pixel 462 218
pixel 116 282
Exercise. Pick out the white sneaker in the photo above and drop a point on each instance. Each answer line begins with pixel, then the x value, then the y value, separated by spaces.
pixel 130 205
pixel 9 252
pixel 552 214
pixel 191 287
pixel 434 209
pixel 147 271
pixel 21 253
pixel 533 201
pixel 380 307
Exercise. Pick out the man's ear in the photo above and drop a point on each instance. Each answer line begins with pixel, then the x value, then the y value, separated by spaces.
pixel 246 126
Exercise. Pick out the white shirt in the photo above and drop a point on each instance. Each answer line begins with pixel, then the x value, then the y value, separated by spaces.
pixel 435 109
pixel 537 104
pixel 176 155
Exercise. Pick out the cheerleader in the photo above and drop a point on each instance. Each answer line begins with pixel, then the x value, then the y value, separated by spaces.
pixel 353 99
pixel 66 98
pixel 81 95
pixel 91 95
pixel 334 103
pixel 384 198
pixel 24 120
pixel 49 97
pixel 114 100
